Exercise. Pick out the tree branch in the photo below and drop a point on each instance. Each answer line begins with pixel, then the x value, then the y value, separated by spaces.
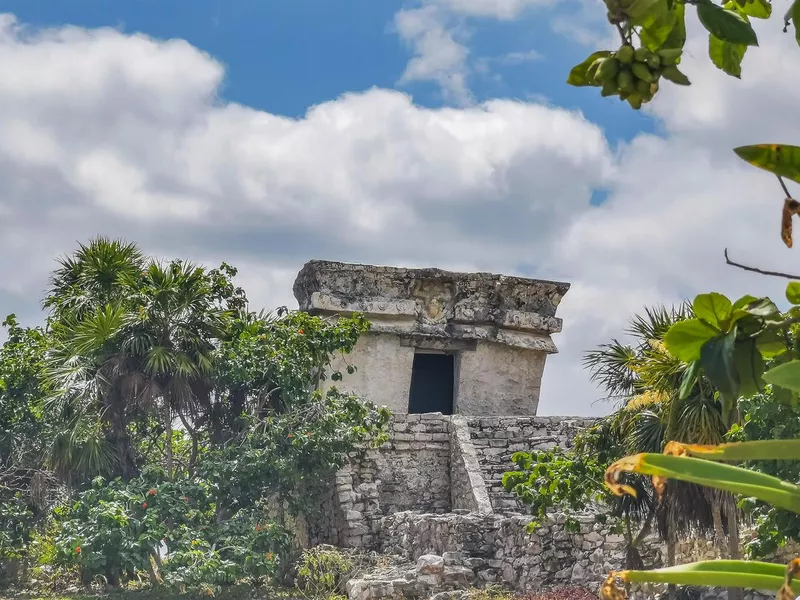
pixel 757 270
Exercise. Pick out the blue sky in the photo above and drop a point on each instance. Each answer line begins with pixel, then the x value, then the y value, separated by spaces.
pixel 284 56
pixel 487 167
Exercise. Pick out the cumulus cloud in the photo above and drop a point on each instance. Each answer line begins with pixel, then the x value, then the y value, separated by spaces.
pixel 438 56
pixel 497 9
pixel 125 135
pixel 435 31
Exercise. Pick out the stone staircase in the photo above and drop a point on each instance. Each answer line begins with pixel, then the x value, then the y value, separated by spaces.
pixel 496 439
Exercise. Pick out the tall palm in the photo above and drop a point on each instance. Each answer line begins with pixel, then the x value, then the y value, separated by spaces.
pixel 177 325
pixel 133 337
pixel 644 379
pixel 96 274
pixel 90 377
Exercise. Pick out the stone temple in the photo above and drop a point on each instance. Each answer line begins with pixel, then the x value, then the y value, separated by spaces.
pixel 454 343
pixel 458 358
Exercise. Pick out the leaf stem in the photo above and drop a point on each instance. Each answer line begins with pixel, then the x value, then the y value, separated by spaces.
pixel 785 189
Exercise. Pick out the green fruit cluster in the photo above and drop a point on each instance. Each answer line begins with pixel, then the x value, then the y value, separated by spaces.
pixel 634 74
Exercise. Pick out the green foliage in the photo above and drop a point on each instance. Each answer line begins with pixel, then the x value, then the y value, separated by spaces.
pixel 170 427
pixel 22 419
pixel 118 527
pixel 16 525
pixel 289 455
pixel 323 572
pixel 780 159
pixel 765 419
pixel 730 342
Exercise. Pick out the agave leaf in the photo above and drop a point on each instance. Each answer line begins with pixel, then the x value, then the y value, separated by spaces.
pixel 736 480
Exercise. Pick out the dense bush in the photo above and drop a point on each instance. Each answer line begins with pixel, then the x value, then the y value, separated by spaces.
pixel 157 428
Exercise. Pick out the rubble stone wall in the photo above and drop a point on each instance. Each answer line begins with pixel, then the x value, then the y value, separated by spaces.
pixel 430 492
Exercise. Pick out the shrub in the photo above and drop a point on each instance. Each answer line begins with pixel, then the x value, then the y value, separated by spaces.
pixel 118 528
pixel 323 571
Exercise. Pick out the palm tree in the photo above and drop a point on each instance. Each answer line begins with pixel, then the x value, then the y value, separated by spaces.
pixel 132 337
pixel 645 381
pixel 173 340
pixel 97 274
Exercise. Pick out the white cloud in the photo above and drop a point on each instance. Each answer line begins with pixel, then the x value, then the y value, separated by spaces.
pixel 102 132
pixel 516 58
pixel 124 135
pixel 497 9
pixel 436 34
pixel 437 56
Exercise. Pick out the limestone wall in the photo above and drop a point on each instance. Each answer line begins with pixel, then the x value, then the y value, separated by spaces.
pixel 410 472
pixel 498 379
pixel 383 371
pixel 429 492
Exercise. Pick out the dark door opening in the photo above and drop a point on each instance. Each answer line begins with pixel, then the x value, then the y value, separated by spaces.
pixel 432 382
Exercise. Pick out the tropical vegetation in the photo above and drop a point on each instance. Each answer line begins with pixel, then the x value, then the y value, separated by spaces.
pixel 155 427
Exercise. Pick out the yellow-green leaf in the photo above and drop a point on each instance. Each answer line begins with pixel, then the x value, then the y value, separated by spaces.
pixel 729 478
pixel 641 12
pixel 758 9
pixel 685 338
pixel 786 375
pixel 741 451
pixel 726 56
pixel 780 159
pixel 677 37
pixel 715 309
pixel 657 30
pixel 578 75
pixel 722 573
pixel 795 11
pixel 727 25
pixel 771 343
pixel 793 292
pixel 749 367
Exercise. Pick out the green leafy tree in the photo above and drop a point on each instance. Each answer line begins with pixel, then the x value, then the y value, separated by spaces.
pixel 653 34
pixel 766 419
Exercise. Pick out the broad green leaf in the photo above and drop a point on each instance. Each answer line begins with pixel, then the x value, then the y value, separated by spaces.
pixel 685 338
pixel 771 343
pixel 793 292
pixel 677 37
pixel 689 379
pixel 717 358
pixel 779 159
pixel 748 574
pixel 715 309
pixel 654 34
pixel 578 75
pixel 742 451
pixel 786 375
pixel 749 366
pixel 726 24
pixel 795 11
pixel 744 301
pixel 640 12
pixel 758 9
pixel 726 56
pixel 729 478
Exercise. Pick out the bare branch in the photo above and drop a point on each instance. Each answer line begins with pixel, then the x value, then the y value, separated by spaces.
pixel 759 271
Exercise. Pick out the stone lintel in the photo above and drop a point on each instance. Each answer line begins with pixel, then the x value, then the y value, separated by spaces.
pixel 390 307
pixel 436 343
pixel 431 303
